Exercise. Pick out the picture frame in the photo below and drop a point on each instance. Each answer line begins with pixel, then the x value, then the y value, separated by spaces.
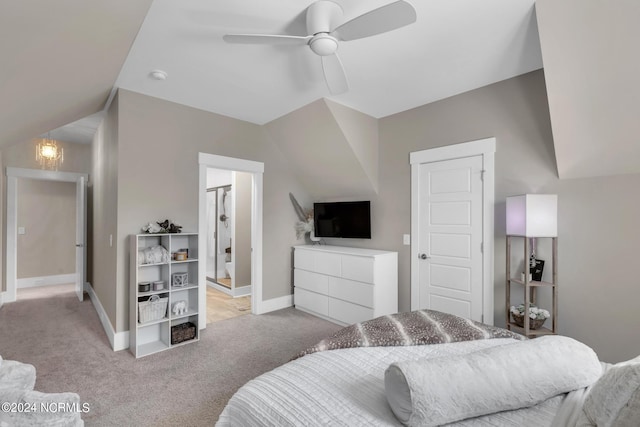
pixel 536 272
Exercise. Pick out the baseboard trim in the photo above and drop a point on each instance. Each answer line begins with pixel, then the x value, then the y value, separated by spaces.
pixel 33 282
pixel 274 304
pixel 220 288
pixel 118 340
pixel 8 297
pixel 235 292
pixel 242 291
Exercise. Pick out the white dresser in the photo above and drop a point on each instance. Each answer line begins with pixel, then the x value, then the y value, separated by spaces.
pixel 345 285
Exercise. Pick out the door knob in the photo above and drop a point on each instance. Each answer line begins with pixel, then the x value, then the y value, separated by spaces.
pixel 423 256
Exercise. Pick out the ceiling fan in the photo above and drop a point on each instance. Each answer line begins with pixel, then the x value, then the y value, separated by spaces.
pixel 324 35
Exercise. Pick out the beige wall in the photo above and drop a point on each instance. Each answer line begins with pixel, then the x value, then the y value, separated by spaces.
pixel 242 218
pixel 513 111
pixel 592 82
pixel 332 149
pixel 103 192
pixel 47 211
pixel 597 217
pixel 3 243
pixel 77 158
pixel 598 245
pixel 157 177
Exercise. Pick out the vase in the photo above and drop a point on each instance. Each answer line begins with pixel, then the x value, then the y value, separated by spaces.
pixel 313 238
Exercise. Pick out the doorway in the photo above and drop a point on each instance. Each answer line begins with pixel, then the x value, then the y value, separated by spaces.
pixel 79 230
pixel 452 198
pixel 220 268
pixel 228 258
pixel 250 173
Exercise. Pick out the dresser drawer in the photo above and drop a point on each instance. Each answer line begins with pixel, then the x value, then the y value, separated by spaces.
pixel 357 268
pixel 352 291
pixel 311 281
pixel 318 262
pixel 348 313
pixel 311 301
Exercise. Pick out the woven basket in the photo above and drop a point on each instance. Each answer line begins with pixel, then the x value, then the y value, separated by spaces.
pixel 182 332
pixel 155 308
pixel 533 323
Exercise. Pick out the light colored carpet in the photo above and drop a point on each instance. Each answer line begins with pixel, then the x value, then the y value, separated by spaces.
pixel 185 386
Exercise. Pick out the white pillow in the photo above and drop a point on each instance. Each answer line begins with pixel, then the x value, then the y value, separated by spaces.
pixel 614 400
pixel 431 392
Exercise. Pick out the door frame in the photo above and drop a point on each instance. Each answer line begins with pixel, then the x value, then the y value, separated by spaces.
pixel 81 231
pixel 11 256
pixel 482 147
pixel 256 169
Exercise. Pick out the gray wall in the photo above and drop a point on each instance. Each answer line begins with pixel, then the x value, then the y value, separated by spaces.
pixel 598 229
pixel 77 158
pixel 513 111
pixel 597 217
pixel 157 177
pixel 47 211
pixel 242 218
pixel 598 243
pixel 332 149
pixel 103 192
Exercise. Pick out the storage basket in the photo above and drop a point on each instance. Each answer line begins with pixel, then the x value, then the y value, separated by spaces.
pixel 155 308
pixel 533 323
pixel 182 332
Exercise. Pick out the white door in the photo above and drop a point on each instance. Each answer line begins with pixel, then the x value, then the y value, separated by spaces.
pixel 450 239
pixel 81 250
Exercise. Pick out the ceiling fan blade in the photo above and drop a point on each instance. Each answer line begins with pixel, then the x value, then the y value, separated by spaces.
pixel 266 39
pixel 378 21
pixel 334 74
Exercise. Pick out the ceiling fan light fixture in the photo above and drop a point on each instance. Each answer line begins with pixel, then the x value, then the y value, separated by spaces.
pixel 323 35
pixel 323 44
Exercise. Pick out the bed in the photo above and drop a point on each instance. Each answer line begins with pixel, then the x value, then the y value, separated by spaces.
pixel 341 381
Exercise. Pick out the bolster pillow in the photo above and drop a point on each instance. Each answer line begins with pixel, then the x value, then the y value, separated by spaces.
pixel 431 392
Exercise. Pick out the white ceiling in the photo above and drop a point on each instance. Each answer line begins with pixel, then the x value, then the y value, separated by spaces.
pixel 455 46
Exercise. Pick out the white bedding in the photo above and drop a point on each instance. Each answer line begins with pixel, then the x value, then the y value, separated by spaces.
pixel 346 388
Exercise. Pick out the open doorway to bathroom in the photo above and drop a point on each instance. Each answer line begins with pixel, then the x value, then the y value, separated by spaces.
pixel 228 260
pixel 255 172
pixel 219 264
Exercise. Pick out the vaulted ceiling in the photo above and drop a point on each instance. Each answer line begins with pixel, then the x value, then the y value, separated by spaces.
pixel 591 65
pixel 66 57
pixel 61 62
pixel 453 47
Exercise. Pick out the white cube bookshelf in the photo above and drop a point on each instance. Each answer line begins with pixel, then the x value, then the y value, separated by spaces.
pixel 155 335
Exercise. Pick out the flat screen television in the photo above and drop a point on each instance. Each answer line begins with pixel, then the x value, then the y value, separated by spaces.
pixel 351 220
